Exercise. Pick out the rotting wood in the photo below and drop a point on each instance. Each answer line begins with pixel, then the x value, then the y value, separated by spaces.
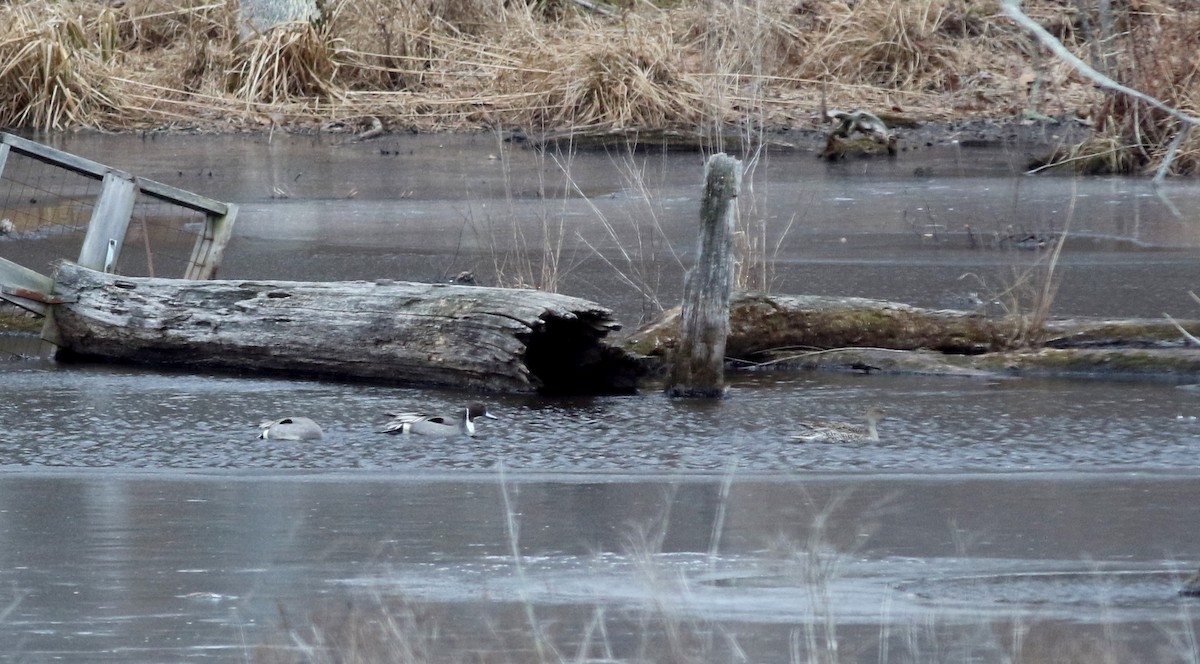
pixel 401 333
pixel 696 367
pixel 767 327
pixel 760 323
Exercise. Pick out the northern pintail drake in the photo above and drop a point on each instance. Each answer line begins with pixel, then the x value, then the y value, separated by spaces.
pixel 461 423
pixel 291 428
pixel 836 432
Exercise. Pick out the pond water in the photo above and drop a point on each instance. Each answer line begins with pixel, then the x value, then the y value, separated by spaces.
pixel 995 520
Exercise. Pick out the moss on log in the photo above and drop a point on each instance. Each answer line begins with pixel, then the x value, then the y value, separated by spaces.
pixel 761 323
pixel 857 334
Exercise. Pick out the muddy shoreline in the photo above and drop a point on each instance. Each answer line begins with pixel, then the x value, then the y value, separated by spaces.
pixel 913 134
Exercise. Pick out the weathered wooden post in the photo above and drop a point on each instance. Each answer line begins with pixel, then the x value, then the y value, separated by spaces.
pixel 110 220
pixel 697 367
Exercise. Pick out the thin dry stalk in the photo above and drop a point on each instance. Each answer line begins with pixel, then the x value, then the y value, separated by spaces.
pixel 512 250
pixel 1028 295
pixel 542 645
pixel 161 24
pixel 640 242
pixel 757 253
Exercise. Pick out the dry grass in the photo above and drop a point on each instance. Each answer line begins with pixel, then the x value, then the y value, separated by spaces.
pixel 289 61
pixel 161 24
pixel 600 77
pixel 56 65
pixel 467 64
pixel 1160 45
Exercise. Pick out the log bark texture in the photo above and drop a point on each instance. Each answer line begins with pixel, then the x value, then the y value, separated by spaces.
pixel 762 323
pixel 405 333
pixel 697 366
pixel 795 331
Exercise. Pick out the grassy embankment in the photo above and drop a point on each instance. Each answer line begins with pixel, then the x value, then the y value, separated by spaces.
pixel 458 65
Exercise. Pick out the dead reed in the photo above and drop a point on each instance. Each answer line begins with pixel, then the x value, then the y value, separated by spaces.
pixel 1026 296
pixel 289 61
pixel 601 77
pixel 1160 46
pixel 153 25
pixel 466 64
pixel 56 67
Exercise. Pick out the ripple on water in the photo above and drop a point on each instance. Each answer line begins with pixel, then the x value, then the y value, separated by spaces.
pixel 89 416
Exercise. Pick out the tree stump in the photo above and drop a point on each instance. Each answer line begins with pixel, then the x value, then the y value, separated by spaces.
pixel 697 366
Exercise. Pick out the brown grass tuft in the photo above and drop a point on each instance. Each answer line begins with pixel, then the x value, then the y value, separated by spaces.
pixel 1161 45
pixel 600 78
pixel 157 24
pixel 56 66
pixel 287 62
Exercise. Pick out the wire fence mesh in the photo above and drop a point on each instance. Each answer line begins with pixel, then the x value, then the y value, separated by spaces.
pixel 45 209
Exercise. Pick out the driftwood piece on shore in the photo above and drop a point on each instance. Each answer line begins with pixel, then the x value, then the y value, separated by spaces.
pixel 697 365
pixel 395 332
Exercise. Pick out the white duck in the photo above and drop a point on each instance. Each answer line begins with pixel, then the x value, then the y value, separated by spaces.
pixel 291 428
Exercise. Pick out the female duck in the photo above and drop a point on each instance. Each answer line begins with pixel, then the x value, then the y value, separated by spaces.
pixel 1191 586
pixel 291 428
pixel 836 432
pixel 462 423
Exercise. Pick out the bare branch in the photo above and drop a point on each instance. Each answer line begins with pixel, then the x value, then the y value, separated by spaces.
pixel 1187 335
pixel 1013 9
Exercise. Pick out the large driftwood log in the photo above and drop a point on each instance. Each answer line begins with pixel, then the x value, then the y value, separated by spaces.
pixel 395 332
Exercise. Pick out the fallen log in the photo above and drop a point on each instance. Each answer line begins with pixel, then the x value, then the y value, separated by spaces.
pixel 762 323
pixel 468 337
pixel 799 332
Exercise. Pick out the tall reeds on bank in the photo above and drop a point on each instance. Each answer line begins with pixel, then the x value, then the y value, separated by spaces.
pixel 552 66
pixel 55 66
pixel 1160 43
pixel 465 64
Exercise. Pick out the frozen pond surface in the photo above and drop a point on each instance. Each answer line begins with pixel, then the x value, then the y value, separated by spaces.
pixel 207 566
pixel 1006 520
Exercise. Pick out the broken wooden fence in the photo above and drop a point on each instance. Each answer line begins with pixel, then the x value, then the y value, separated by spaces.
pixel 111 210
